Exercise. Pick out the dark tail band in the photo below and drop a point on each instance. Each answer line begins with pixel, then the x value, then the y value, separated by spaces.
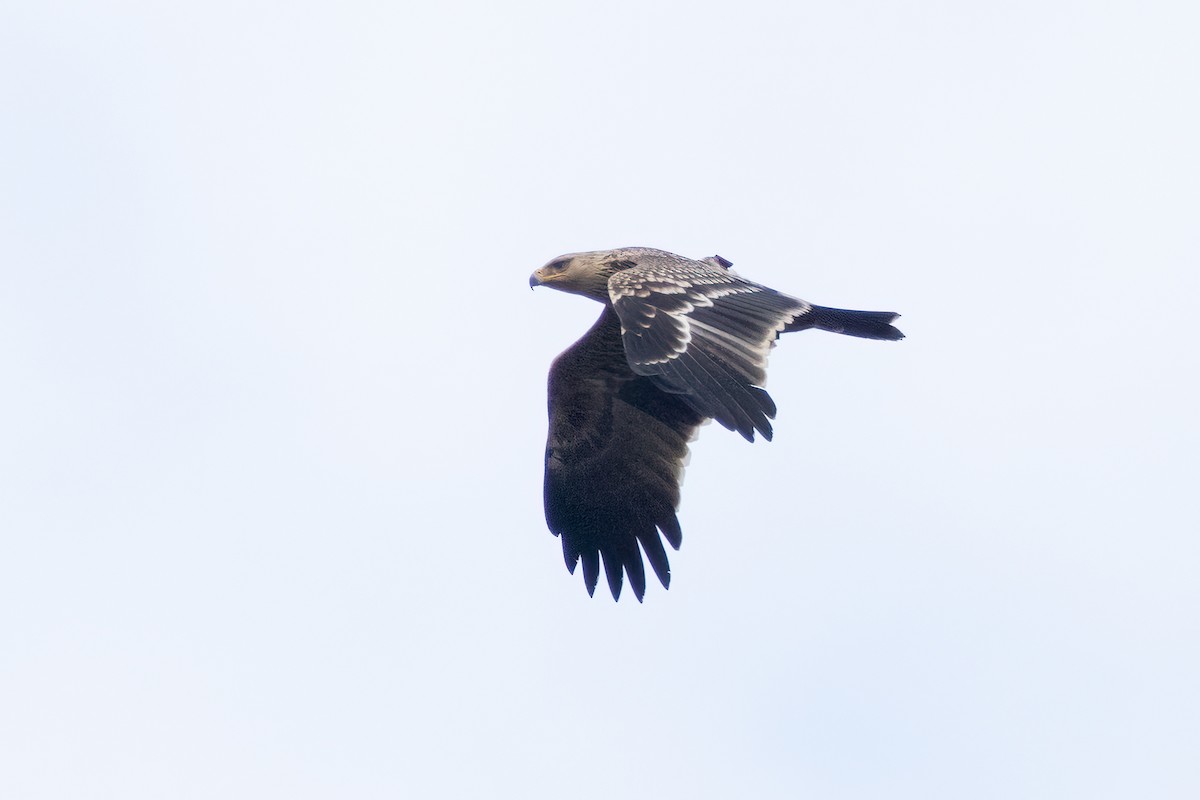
pixel 867 324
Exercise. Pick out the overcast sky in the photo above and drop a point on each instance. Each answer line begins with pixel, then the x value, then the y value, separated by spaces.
pixel 273 404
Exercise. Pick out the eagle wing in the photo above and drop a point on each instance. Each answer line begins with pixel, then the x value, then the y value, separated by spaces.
pixel 703 334
pixel 614 460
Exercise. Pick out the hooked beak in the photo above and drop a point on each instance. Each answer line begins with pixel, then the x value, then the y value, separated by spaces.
pixel 534 280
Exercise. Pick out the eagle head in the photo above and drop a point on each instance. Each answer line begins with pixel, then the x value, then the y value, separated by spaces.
pixel 581 273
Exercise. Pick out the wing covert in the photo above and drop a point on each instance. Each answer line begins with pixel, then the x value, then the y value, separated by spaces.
pixel 703 333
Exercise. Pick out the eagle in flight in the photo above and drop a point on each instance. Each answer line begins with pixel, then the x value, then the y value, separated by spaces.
pixel 680 341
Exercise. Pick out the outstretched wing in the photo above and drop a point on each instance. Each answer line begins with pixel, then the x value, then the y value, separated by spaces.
pixel 614 460
pixel 704 333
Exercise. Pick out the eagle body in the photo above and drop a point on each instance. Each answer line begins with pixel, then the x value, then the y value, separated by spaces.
pixel 679 341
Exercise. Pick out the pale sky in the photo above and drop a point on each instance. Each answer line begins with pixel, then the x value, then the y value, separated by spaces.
pixel 274 400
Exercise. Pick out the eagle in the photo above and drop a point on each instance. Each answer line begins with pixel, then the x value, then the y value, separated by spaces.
pixel 680 341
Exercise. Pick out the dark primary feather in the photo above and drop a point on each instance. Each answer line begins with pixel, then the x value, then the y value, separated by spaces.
pixel 614 459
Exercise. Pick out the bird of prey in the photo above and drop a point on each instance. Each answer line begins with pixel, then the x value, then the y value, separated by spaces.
pixel 679 341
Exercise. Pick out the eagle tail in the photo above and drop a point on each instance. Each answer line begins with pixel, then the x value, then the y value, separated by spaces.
pixel 866 324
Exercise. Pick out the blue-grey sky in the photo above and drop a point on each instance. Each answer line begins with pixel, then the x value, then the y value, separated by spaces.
pixel 273 402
